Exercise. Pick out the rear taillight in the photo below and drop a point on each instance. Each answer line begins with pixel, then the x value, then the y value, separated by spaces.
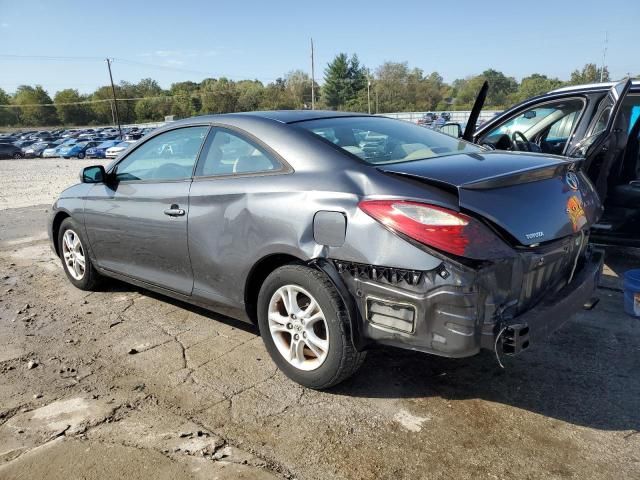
pixel 437 227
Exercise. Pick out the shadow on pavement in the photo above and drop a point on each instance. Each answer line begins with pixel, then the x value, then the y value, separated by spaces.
pixel 586 374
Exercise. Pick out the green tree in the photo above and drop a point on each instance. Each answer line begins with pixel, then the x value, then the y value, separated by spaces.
pixel 185 100
pixel 335 90
pixel 392 86
pixel 276 97
pixel 126 108
pixel 71 114
pixel 501 88
pixel 590 73
pixel 148 87
pixel 102 112
pixel 8 115
pixel 250 95
pixel 535 84
pixel 29 115
pixel 153 109
pixel 298 84
pixel 219 96
pixel 344 80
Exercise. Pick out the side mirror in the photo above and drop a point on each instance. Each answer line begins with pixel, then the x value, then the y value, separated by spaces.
pixel 530 114
pixel 93 174
pixel 451 129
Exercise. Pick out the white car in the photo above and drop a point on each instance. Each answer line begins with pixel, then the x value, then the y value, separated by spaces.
pixel 113 152
pixel 50 152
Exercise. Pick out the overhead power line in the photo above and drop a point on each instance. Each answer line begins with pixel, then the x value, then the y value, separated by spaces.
pixel 127 61
pixel 106 100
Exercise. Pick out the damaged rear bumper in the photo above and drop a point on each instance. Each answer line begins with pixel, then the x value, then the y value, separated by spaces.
pixel 456 312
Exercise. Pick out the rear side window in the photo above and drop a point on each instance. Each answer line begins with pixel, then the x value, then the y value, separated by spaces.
pixel 168 156
pixel 228 153
pixel 379 140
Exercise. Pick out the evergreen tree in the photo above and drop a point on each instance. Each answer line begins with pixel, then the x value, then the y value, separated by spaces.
pixel 336 89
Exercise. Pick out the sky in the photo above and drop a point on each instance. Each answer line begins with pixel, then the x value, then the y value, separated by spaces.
pixel 173 41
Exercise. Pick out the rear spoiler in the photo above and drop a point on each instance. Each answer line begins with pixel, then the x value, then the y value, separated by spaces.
pixel 514 177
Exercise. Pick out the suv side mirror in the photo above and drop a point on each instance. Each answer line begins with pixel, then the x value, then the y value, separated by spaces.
pixel 93 174
pixel 451 129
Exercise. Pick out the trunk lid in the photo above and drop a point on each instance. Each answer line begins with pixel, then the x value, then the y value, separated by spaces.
pixel 534 198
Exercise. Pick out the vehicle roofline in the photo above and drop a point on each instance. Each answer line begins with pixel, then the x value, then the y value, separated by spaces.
pixel 591 86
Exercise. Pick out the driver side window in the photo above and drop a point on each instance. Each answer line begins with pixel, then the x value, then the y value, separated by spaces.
pixel 549 126
pixel 168 156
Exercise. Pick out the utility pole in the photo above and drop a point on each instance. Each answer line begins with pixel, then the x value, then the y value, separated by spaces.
pixel 377 104
pixel 604 55
pixel 115 100
pixel 313 80
pixel 368 93
pixel 113 115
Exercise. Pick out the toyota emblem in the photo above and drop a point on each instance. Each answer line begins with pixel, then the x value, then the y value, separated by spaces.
pixel 572 180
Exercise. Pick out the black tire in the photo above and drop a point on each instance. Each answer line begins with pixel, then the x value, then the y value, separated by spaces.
pixel 91 278
pixel 17 156
pixel 80 156
pixel 342 359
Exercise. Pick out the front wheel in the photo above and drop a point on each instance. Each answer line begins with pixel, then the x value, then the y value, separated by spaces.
pixel 17 156
pixel 75 259
pixel 305 327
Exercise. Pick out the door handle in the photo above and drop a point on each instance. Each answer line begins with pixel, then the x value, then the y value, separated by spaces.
pixel 174 211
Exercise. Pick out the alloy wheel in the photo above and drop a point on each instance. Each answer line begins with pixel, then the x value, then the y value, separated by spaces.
pixel 298 327
pixel 73 254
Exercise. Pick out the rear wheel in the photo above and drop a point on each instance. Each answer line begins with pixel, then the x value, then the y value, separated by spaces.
pixel 80 156
pixel 75 260
pixel 305 327
pixel 17 155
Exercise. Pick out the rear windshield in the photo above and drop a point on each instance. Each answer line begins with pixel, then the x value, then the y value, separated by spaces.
pixel 379 140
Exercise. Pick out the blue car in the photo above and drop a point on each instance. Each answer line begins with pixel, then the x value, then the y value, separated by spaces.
pixel 99 150
pixel 78 149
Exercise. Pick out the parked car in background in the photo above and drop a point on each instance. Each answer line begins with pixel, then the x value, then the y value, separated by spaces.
pixel 53 150
pixel 77 150
pixel 288 219
pixel 36 149
pixel 427 119
pixel 9 150
pixel 99 151
pixel 113 152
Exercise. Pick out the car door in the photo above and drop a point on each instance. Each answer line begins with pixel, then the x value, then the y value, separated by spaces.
pixel 136 221
pixel 233 181
pixel 606 138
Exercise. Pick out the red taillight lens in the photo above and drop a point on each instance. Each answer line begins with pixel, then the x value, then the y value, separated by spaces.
pixel 434 226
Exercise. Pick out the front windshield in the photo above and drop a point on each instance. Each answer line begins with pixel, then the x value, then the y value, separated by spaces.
pixel 380 140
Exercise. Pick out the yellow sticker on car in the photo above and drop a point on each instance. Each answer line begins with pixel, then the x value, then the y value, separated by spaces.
pixel 576 213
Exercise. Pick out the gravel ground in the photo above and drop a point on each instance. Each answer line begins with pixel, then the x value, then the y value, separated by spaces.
pixel 38 181
pixel 123 383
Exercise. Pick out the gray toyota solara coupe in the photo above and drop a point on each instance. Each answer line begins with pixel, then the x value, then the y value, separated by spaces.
pixel 335 232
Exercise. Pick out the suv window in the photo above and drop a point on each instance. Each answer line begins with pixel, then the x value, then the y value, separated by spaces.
pixel 168 156
pixel 549 125
pixel 228 153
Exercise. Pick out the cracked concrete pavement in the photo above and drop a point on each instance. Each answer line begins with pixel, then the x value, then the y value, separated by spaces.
pixel 124 383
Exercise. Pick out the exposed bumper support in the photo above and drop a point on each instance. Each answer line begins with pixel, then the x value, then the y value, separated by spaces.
pixel 551 313
pixel 456 312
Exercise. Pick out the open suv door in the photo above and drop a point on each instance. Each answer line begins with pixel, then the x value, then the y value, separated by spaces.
pixel 611 160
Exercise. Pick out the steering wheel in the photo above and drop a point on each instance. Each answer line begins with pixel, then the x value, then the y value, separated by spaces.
pixel 514 141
